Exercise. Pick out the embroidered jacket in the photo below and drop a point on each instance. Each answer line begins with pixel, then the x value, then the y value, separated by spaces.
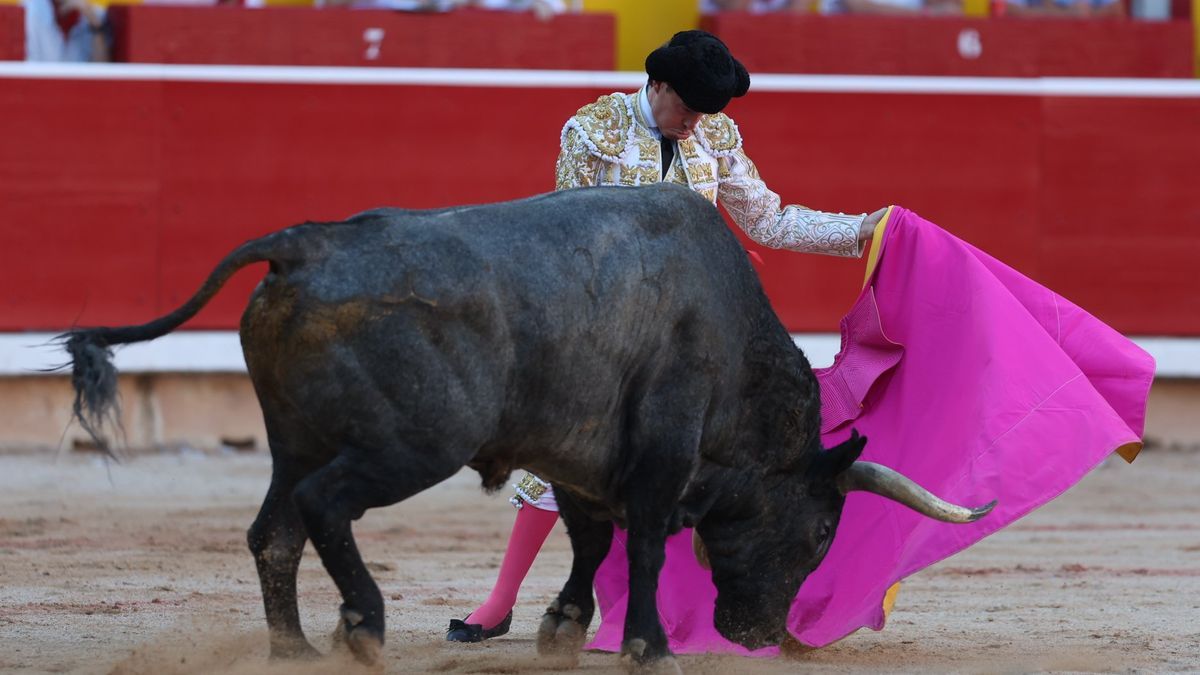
pixel 610 143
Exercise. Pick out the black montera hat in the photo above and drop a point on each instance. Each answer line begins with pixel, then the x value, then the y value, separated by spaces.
pixel 699 67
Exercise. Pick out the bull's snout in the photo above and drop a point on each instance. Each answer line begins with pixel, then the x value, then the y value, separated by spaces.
pixel 752 630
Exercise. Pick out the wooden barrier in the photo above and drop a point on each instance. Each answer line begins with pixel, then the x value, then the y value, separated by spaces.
pixel 12 33
pixel 120 187
pixel 304 36
pixel 879 45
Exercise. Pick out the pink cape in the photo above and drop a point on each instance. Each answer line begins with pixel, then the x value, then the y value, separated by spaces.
pixel 966 376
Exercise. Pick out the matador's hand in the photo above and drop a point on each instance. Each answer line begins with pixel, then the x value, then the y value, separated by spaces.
pixel 867 229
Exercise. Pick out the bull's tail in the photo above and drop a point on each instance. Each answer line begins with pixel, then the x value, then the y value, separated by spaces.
pixel 92 372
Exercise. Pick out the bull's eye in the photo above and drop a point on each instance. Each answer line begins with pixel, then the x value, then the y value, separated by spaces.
pixel 824 539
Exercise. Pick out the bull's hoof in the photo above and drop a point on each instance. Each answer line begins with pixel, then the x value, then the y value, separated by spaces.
pixel 635 660
pixel 792 648
pixel 561 634
pixel 363 643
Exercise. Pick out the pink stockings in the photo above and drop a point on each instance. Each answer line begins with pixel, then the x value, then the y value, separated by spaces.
pixel 529 532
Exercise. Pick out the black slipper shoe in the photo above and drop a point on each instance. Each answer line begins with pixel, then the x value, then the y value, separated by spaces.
pixel 461 631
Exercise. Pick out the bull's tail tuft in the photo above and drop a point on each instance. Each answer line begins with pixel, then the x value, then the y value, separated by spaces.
pixel 93 374
pixel 94 378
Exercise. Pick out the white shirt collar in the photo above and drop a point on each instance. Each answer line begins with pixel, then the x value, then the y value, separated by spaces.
pixel 647 113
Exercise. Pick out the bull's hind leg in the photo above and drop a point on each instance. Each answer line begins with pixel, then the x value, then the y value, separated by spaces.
pixel 565 623
pixel 340 492
pixel 277 541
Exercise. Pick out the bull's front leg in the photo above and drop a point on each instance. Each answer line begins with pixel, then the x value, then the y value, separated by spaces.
pixel 649 508
pixel 645 641
pixel 664 441
pixel 565 623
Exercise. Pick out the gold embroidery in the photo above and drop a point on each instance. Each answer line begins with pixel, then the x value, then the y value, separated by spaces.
pixel 692 157
pixel 723 169
pixel 647 150
pixel 606 124
pixel 576 166
pixel 700 172
pixel 529 489
pixel 687 148
pixel 629 175
pixel 718 134
pixel 562 173
pixel 698 164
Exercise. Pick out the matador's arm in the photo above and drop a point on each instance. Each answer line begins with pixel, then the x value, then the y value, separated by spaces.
pixel 755 209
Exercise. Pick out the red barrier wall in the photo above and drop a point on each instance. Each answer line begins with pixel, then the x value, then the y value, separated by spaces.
pixel 12 33
pixel 879 45
pixel 334 37
pixel 117 197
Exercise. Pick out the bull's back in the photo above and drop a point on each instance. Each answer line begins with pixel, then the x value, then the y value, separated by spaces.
pixel 589 281
pixel 548 266
pixel 468 320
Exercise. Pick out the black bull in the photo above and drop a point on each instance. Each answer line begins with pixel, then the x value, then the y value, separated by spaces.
pixel 613 341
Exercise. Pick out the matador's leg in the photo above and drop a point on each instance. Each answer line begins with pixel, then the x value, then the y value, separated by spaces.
pixel 536 514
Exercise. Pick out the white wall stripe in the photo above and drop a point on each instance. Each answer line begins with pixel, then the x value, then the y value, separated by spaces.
pixel 221 352
pixel 184 351
pixel 850 84
pixel 454 77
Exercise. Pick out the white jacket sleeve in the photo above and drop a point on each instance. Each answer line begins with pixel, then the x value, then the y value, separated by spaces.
pixel 756 210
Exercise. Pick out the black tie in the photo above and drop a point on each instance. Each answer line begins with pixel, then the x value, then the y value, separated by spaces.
pixel 668 153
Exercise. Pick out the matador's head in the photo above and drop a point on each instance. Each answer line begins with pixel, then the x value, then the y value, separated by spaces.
pixel 700 69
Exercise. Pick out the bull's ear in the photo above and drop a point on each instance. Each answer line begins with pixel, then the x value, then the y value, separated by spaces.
pixel 839 458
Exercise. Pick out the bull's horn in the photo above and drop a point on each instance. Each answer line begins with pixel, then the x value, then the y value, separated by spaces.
pixel 885 482
pixel 701 552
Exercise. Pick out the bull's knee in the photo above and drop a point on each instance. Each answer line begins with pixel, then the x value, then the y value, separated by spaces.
pixel 275 555
pixel 258 538
pixel 274 545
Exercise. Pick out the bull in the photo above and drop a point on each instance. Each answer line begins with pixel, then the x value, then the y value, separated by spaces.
pixel 614 341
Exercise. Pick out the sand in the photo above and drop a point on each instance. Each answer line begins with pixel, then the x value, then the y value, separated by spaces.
pixel 142 567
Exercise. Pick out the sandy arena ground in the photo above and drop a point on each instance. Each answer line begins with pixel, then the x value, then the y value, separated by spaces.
pixel 142 568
